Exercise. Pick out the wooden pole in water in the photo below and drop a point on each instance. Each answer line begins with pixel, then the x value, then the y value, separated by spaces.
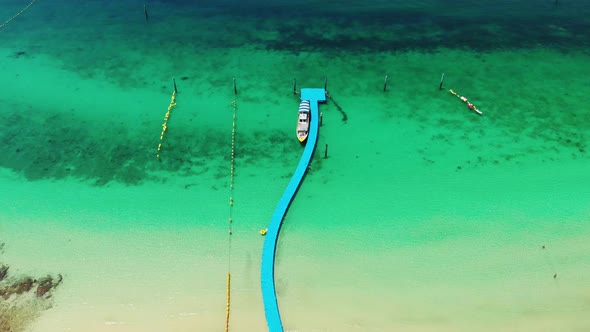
pixel 326 84
pixel 326 152
pixel 294 86
pixel 385 84
pixel 442 78
pixel 147 17
pixel 321 119
pixel 235 87
pixel 174 82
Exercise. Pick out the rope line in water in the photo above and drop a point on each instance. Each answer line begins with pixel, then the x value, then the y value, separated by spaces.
pixel 165 124
pixel 227 305
pixel 17 14
pixel 549 261
pixel 231 205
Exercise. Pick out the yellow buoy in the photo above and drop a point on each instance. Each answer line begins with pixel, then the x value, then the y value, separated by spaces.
pixel 263 232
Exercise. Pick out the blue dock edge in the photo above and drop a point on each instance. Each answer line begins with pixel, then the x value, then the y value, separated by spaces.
pixel 269 296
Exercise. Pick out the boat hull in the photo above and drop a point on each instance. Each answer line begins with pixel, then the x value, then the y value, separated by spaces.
pixel 303 120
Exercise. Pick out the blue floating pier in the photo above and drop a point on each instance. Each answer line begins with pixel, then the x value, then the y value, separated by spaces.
pixel 269 296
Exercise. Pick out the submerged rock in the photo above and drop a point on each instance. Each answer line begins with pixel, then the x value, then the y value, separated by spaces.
pixel 3 271
pixel 26 284
pixel 46 284
pixel 19 306
pixel 22 285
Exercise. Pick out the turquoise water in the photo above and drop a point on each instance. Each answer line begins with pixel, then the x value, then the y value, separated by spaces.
pixel 424 217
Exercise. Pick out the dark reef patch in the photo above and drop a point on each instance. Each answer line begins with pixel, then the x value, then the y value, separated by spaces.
pixel 56 146
pixel 319 27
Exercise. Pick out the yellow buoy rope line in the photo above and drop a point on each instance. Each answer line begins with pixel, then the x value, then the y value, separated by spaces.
pixel 165 124
pixel 231 206
pixel 227 305
pixel 17 14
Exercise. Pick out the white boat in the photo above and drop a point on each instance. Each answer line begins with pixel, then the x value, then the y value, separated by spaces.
pixel 303 120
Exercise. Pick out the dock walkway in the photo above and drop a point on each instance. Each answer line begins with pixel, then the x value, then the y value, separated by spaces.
pixel 271 308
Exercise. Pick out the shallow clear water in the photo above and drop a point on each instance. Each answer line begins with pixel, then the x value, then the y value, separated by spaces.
pixel 424 217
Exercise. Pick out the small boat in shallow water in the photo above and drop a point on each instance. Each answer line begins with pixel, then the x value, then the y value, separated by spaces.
pixel 303 120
